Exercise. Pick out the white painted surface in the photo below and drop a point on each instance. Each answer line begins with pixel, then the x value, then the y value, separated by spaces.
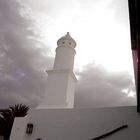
pixel 65 53
pixel 64 58
pixel 60 89
pixel 71 90
pixel 66 40
pixel 18 129
pixel 60 86
pixel 83 124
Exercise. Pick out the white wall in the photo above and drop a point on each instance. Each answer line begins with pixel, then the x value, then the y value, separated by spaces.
pixel 64 58
pixel 71 90
pixel 83 124
pixel 18 129
pixel 59 87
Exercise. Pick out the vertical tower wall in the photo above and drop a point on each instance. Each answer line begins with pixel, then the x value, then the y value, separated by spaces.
pixel 61 80
pixel 64 58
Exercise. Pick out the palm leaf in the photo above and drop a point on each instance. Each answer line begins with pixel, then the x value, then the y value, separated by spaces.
pixel 7 118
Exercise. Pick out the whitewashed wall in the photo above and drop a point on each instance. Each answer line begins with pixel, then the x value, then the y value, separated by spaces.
pixel 19 128
pixel 82 124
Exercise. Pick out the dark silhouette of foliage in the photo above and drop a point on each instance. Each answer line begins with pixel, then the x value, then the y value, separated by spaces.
pixel 7 118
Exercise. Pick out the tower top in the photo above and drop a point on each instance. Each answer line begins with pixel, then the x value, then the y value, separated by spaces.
pixel 66 41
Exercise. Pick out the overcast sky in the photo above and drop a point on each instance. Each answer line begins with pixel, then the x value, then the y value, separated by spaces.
pixel 29 31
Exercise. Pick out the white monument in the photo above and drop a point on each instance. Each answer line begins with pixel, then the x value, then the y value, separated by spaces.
pixel 60 87
pixel 56 117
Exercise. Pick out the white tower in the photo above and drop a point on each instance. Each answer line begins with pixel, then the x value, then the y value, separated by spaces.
pixel 61 80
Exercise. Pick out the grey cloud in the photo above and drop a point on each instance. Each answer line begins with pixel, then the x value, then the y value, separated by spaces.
pixel 98 87
pixel 22 65
pixel 50 7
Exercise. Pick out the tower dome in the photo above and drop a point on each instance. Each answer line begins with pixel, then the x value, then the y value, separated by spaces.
pixel 66 41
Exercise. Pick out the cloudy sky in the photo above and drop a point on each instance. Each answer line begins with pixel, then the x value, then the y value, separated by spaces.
pixel 29 31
